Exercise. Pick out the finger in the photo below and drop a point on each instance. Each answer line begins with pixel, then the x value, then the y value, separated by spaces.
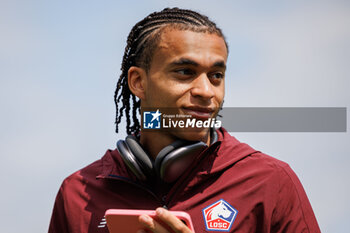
pixel 176 224
pixel 151 224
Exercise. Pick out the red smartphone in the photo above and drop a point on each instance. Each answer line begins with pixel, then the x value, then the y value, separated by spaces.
pixel 126 221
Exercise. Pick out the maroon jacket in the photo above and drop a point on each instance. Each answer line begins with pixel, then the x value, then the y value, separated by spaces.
pixel 233 188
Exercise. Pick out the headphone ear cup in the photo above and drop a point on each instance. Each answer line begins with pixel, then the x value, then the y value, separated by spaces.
pixel 166 150
pixel 142 158
pixel 175 163
pixel 130 160
pixel 213 136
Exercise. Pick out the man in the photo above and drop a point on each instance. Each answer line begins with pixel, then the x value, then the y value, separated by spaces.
pixel 175 62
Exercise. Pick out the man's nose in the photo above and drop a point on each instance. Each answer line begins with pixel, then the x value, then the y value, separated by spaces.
pixel 202 87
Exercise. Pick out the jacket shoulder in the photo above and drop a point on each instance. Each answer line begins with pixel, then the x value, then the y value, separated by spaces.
pixel 293 210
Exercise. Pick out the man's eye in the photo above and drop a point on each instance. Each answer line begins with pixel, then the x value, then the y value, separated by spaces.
pixel 185 72
pixel 217 75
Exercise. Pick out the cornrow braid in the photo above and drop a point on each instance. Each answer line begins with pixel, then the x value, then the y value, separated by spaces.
pixel 139 49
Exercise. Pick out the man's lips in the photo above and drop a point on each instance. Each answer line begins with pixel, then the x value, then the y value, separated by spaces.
pixel 199 112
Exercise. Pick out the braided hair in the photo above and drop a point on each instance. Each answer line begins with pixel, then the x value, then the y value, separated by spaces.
pixel 141 43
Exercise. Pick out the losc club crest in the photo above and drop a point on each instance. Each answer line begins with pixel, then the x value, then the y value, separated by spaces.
pixel 219 216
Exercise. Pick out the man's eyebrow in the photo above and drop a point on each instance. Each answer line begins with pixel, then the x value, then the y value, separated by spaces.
pixel 186 61
pixel 220 64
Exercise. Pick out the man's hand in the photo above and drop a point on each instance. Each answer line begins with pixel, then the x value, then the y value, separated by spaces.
pixel 166 217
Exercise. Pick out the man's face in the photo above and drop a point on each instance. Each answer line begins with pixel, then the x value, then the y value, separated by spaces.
pixel 187 74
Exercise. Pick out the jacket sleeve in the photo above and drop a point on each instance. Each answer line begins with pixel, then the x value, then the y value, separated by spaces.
pixel 59 222
pixel 293 212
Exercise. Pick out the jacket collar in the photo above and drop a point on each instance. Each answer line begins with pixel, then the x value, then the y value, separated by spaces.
pixel 225 152
pixel 230 151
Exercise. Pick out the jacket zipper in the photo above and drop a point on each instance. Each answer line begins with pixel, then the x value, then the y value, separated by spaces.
pixel 184 180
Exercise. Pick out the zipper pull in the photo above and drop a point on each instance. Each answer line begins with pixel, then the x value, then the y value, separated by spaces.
pixel 164 202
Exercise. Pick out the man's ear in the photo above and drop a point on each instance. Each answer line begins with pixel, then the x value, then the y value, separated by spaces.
pixel 137 81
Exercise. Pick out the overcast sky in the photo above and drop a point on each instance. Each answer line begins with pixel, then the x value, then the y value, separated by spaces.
pixel 59 64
